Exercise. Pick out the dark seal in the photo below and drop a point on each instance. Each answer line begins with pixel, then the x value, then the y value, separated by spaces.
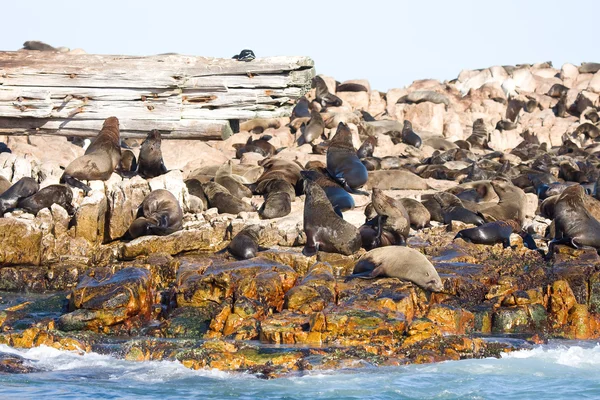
pixel 53 194
pixel 150 161
pixel 24 188
pixel 245 244
pixel 159 214
pixel 342 162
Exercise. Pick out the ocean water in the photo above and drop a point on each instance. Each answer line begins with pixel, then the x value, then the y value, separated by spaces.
pixel 560 370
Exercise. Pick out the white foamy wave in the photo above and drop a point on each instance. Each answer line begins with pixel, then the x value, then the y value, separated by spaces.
pixel 572 356
pixel 51 359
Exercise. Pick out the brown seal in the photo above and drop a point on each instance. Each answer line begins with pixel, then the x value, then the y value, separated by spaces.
pixel 418 214
pixel 391 214
pixel 22 189
pixel 225 178
pixel 100 159
pixel 53 194
pixel 367 147
pixel 128 163
pixel 573 223
pixel 324 229
pixel 315 127
pixel 245 244
pixel 301 109
pixel 343 164
pixel 511 205
pixel 159 214
pixel 480 136
pixel 322 94
pixel 260 146
pixel 150 161
pixel 259 125
pixel 279 184
pixel 225 202
pixel 41 46
pixel 399 262
pixel 340 199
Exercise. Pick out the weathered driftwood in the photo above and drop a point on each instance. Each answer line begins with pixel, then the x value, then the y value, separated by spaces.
pixel 183 96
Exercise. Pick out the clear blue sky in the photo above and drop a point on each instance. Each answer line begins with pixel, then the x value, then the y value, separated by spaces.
pixel 390 43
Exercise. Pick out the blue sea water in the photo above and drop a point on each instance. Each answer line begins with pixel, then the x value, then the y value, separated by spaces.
pixel 560 370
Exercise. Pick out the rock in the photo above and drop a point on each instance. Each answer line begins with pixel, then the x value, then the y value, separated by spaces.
pixel 15 364
pixel 91 218
pixel 426 116
pixel 187 240
pixel 21 242
pixel 124 198
pixel 173 182
pixel 102 299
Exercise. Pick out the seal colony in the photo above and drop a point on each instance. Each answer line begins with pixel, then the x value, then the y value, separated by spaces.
pixel 412 192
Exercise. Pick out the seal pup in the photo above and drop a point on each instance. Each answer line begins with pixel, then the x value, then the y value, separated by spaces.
pixel 22 189
pixel 159 214
pixel 244 245
pixel 52 194
pixel 315 127
pixel 558 90
pixel 340 199
pixel 128 163
pixel 322 94
pixel 367 147
pixel 324 229
pixel 342 162
pixel 219 197
pixel 225 178
pixel 489 233
pixel 398 262
pixel 573 223
pixel 245 55
pixel 409 136
pixel 99 160
pixel 150 160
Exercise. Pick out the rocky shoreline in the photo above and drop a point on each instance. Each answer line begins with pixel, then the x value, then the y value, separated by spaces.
pixel 175 298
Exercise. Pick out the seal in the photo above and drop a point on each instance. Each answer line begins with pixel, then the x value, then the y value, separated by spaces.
pixel 371 163
pixel 409 136
pixel 480 136
pixel 573 223
pixel 41 46
pixel 225 178
pixel 418 214
pixel 322 94
pixel 367 147
pixel 245 244
pixel 194 187
pixel 159 214
pixel 315 127
pixel 511 205
pixel 453 210
pixel 128 163
pixel 301 109
pixel 260 146
pixel 557 90
pixel 22 189
pixel 420 96
pixel 342 162
pixel 279 195
pixel 99 160
pixel 150 162
pixel 488 233
pixel 398 262
pixel 259 125
pixel 52 194
pixel 4 148
pixel 340 199
pixel 391 215
pixel 324 229
pixel 225 202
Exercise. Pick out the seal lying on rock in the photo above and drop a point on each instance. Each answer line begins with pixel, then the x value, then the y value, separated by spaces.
pixel 219 197
pixel 24 188
pixel 53 194
pixel 398 262
pixel 324 229
pixel 489 233
pixel 453 210
pixel 159 214
pixel 100 159
pixel 245 244
pixel 260 146
pixel 150 161
pixel 225 178
pixel 342 162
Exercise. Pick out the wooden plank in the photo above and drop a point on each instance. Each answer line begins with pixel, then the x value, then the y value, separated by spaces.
pixel 49 63
pixel 173 129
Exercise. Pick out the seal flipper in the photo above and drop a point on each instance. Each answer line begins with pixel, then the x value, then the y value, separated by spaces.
pixel 311 247
pixel 69 180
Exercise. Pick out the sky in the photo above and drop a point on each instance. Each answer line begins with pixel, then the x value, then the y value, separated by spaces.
pixel 390 43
